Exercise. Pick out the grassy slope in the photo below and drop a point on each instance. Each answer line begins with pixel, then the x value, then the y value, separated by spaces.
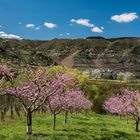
pixel 79 127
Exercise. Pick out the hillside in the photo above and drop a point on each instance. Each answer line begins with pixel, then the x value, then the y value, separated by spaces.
pixel 118 54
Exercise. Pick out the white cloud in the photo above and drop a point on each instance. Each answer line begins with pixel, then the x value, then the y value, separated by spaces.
pixel 20 23
pixel 125 17
pixel 50 25
pixel 102 27
pixel 31 26
pixel 97 30
pixel 37 28
pixel 87 23
pixel 60 34
pixel 1 32
pixel 67 34
pixel 9 36
pixel 84 22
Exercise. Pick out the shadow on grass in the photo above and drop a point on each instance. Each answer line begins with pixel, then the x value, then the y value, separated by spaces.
pixel 2 137
pixel 75 136
pixel 39 135
pixel 104 134
pixel 62 136
pixel 116 135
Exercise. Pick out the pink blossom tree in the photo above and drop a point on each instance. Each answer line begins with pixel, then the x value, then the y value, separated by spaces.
pixel 128 102
pixel 114 104
pixel 5 73
pixel 33 93
pixel 55 105
pixel 71 100
pixel 6 76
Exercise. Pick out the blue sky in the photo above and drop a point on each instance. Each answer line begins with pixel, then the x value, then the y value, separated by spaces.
pixel 48 19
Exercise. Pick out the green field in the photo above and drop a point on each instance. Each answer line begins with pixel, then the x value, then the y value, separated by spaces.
pixel 79 127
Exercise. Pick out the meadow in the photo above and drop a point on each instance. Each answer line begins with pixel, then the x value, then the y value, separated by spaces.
pixel 35 94
pixel 79 127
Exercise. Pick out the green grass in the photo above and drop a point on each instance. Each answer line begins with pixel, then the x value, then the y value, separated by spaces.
pixel 79 127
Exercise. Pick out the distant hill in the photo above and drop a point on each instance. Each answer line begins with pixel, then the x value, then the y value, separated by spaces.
pixel 118 54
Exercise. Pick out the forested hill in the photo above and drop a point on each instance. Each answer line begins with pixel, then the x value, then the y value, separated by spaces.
pixel 119 54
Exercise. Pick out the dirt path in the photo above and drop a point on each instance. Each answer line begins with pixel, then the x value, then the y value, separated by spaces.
pixel 69 60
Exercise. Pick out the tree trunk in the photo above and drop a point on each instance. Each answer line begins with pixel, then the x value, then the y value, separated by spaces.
pixel 12 112
pixel 120 117
pixel 54 121
pixel 2 116
pixel 65 117
pixel 29 122
pixel 137 125
pixel 17 111
pixel 126 119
